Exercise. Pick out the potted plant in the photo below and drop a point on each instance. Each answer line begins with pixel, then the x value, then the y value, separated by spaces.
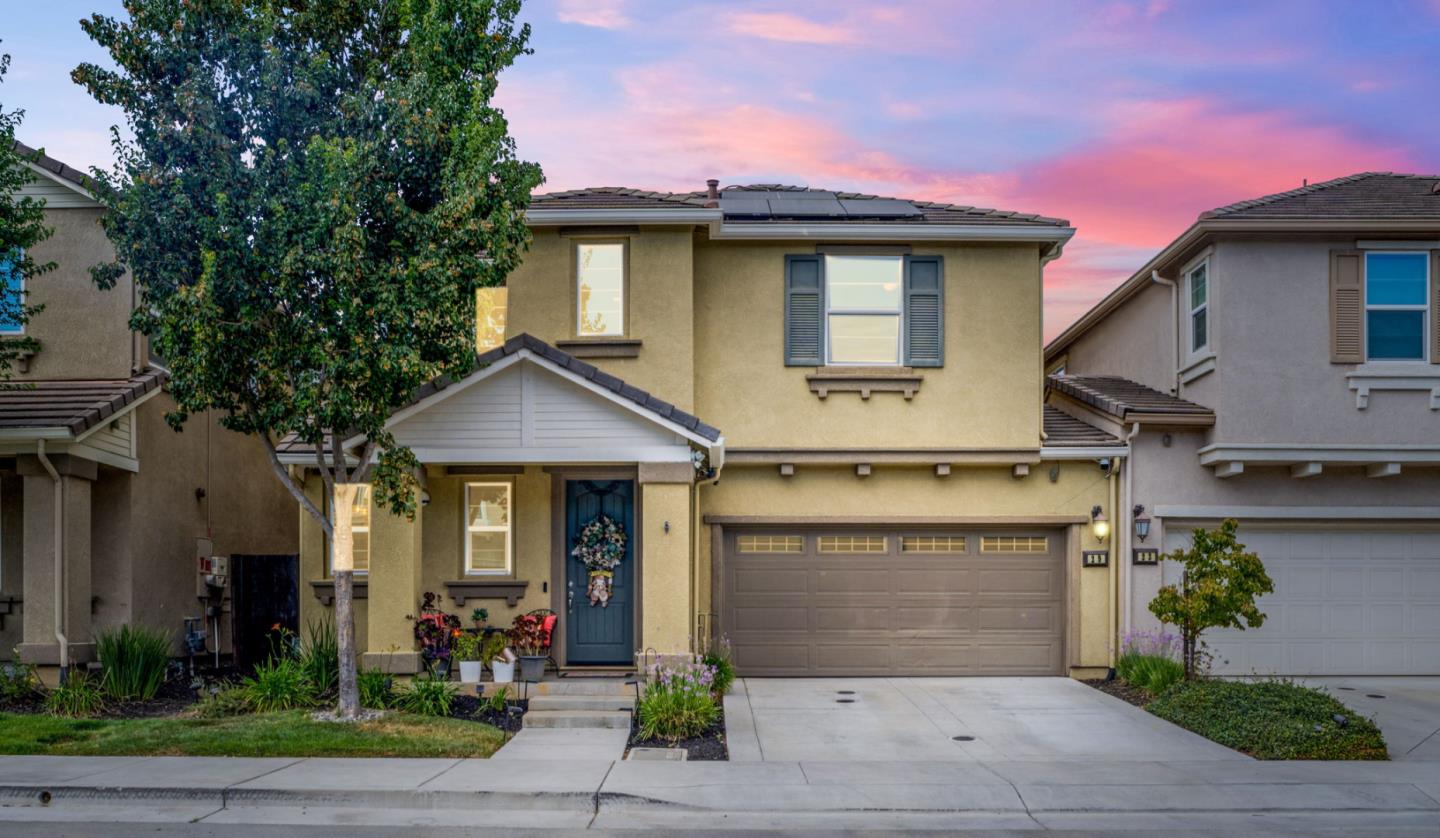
pixel 466 649
pixel 529 638
pixel 479 617
pixel 435 631
pixel 501 659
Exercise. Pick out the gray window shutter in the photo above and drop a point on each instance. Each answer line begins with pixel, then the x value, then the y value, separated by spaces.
pixel 804 311
pixel 924 311
pixel 1435 306
pixel 1347 308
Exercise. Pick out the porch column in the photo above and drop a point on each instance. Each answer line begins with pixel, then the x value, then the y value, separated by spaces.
pixel 39 644
pixel 665 587
pixel 395 554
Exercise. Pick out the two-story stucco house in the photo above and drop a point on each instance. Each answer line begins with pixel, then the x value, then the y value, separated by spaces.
pixel 817 418
pixel 95 488
pixel 1279 363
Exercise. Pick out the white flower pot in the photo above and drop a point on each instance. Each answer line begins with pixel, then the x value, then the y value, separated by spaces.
pixel 470 672
pixel 504 672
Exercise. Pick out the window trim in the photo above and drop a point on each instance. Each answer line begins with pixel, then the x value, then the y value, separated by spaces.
pixel 19 330
pixel 1423 307
pixel 830 311
pixel 1192 351
pixel 575 245
pixel 508 529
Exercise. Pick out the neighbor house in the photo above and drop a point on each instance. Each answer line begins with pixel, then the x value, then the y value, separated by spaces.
pixel 1279 363
pixel 817 418
pixel 94 485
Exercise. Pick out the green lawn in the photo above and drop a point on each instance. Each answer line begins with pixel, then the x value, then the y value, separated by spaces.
pixel 1271 720
pixel 284 734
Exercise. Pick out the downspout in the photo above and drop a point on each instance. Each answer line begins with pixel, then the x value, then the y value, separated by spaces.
pixel 1127 521
pixel 1114 616
pixel 1174 325
pixel 59 572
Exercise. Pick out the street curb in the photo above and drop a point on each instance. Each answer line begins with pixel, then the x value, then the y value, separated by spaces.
pixel 235 798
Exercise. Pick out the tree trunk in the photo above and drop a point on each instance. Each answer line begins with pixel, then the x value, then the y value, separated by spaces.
pixel 342 564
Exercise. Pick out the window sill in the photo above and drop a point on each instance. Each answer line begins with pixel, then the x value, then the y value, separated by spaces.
pixel 510 590
pixel 1198 368
pixel 1394 375
pixel 864 380
pixel 324 589
pixel 601 347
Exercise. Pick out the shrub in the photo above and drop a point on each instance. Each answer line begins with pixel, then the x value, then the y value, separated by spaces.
pixel 497 701
pixel 427 696
pixel 679 701
pixel 279 684
pixel 78 696
pixel 135 659
pixel 320 657
pixel 1150 661
pixel 225 702
pixel 18 681
pixel 719 659
pixel 375 688
pixel 1271 720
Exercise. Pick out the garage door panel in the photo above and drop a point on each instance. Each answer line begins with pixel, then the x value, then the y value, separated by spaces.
pixel 898 612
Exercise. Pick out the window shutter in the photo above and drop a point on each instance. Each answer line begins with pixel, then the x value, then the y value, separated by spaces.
pixel 1435 306
pixel 1347 308
pixel 804 311
pixel 924 311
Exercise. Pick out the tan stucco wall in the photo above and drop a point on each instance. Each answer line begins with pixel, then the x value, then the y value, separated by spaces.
pixel 665 567
pixel 660 302
pixel 83 332
pixel 987 395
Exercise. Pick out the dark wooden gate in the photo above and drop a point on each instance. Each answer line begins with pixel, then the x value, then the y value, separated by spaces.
pixel 264 592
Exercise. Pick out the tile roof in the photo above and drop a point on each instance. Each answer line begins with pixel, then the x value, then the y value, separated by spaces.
pixel 1358 196
pixel 616 197
pixel 75 406
pixel 1124 399
pixel 54 167
pixel 1062 430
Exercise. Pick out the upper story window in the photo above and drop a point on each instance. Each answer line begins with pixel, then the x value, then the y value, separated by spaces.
pixel 490 311
pixel 1397 289
pixel 1197 284
pixel 489 548
pixel 12 286
pixel 864 307
pixel 600 289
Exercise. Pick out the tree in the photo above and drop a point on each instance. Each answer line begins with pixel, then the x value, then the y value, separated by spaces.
pixel 1217 589
pixel 22 226
pixel 315 191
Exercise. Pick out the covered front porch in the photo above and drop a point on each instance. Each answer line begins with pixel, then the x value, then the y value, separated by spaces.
pixel 517 458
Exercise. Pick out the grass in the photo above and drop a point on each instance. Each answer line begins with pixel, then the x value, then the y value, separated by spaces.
pixel 284 734
pixel 1271 720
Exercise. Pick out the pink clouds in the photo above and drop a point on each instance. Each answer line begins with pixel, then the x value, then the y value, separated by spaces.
pixel 601 14
pixel 782 26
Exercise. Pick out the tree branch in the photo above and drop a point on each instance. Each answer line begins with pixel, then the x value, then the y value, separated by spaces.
pixel 367 454
pixel 295 489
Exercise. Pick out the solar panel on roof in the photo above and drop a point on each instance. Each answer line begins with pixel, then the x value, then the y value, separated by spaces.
pixel 879 208
pixel 745 206
pixel 808 208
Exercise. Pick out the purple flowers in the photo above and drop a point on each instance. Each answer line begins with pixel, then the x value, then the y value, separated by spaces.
pixel 681 673
pixel 1158 643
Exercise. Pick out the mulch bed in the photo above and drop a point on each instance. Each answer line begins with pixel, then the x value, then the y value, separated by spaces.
pixel 471 709
pixel 709 746
pixel 1121 690
pixel 174 698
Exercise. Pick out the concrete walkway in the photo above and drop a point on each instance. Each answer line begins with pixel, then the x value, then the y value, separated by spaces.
pixel 821 795
pixel 905 719
pixel 570 744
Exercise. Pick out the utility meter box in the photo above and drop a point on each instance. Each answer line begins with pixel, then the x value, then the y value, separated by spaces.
pixel 215 570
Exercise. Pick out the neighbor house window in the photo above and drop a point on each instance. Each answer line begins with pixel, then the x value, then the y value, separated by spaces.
pixel 863 307
pixel 490 310
pixel 12 287
pixel 1396 289
pixel 488 545
pixel 600 289
pixel 1198 284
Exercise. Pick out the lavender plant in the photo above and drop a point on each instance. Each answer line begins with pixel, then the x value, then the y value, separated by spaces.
pixel 679 701
pixel 1151 660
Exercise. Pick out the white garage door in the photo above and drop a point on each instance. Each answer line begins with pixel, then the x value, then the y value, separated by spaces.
pixel 1346 602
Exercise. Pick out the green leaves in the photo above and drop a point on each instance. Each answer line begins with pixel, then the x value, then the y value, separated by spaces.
pixel 22 226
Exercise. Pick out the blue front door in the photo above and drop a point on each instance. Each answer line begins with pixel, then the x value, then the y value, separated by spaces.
pixel 596 635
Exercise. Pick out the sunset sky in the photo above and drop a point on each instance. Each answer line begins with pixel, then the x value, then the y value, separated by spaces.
pixel 1128 118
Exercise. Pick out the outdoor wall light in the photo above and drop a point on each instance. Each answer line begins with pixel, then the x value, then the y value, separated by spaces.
pixel 1142 523
pixel 1099 524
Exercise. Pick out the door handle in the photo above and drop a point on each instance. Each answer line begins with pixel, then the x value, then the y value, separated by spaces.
pixel 570 600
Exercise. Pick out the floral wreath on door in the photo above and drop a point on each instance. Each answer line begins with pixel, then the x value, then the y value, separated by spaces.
pixel 600 546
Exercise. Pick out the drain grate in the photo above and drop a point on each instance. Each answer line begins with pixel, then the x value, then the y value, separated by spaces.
pixel 963 738
pixel 844 701
pixel 844 692
pixel 1373 695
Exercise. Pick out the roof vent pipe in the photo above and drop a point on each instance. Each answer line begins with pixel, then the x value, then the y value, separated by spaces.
pixel 712 193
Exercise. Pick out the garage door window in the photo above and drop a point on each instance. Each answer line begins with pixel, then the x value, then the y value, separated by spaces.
pixel 853 544
pixel 770 544
pixel 1015 544
pixel 933 544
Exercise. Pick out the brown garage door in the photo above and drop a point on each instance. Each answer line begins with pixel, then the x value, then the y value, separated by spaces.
pixel 894 602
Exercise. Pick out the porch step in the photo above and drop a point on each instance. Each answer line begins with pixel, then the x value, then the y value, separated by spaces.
pixel 582 702
pixel 584 686
pixel 613 719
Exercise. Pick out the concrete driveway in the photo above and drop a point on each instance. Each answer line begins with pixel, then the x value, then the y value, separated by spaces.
pixel 1406 709
pixel 916 719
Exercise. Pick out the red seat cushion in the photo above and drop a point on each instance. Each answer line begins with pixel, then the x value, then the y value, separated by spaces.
pixel 548 626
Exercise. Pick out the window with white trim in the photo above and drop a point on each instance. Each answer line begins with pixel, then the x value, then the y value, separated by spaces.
pixel 600 289
pixel 489 547
pixel 1197 288
pixel 864 307
pixel 12 286
pixel 1397 291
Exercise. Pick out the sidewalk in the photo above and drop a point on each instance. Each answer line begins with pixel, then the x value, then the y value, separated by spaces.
pixel 798 795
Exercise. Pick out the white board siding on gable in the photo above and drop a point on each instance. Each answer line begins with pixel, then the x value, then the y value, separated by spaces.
pixel 527 413
pixel 55 194
pixel 115 437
